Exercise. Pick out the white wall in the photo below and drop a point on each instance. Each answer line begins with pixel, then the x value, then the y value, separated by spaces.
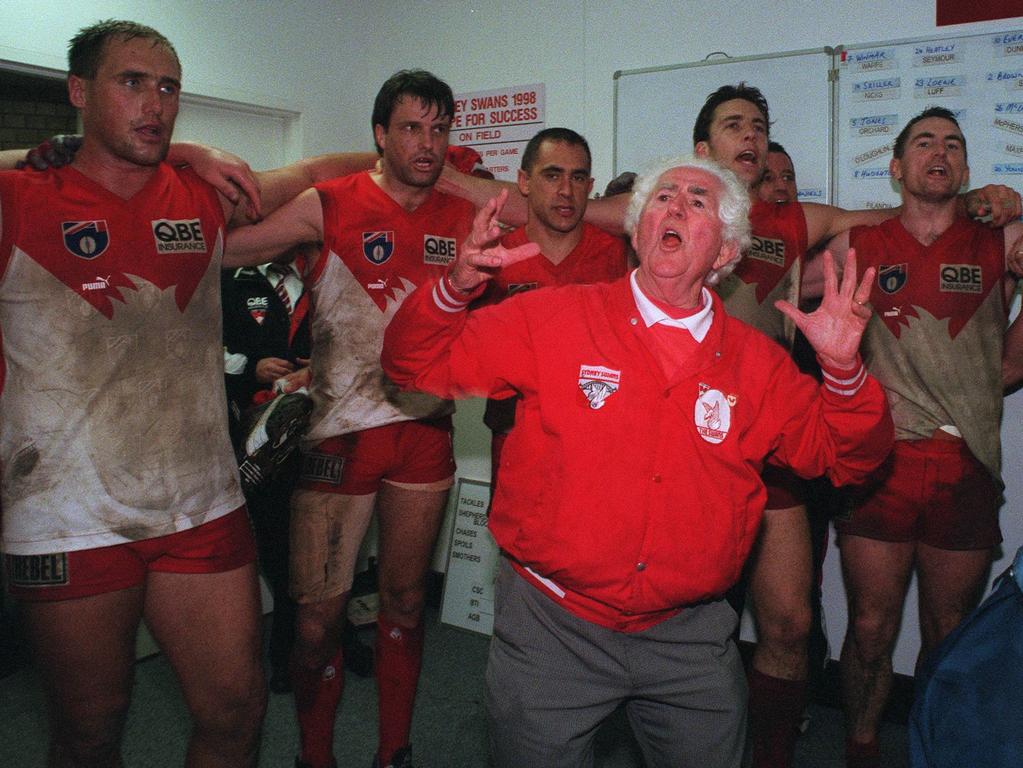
pixel 325 60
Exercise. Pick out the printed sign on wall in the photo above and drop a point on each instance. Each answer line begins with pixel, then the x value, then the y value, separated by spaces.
pixel 498 124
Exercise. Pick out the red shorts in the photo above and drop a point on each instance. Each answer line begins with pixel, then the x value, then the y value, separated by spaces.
pixel 785 489
pixel 933 491
pixel 409 452
pixel 220 545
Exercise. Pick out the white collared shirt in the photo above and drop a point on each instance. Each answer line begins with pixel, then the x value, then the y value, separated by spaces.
pixel 697 324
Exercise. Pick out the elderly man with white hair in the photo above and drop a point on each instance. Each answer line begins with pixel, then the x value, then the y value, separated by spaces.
pixel 631 492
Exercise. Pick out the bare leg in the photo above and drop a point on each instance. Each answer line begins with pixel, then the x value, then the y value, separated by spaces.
pixel 409 521
pixel 209 626
pixel 780 591
pixel 85 649
pixel 780 587
pixel 326 532
pixel 876 577
pixel 951 584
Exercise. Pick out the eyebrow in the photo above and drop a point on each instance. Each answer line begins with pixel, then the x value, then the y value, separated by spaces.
pixel 139 74
pixel 693 189
pixel 563 169
pixel 739 115
pixel 930 135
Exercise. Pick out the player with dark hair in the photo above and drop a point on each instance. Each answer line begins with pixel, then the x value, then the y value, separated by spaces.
pixel 369 446
pixel 555 180
pixel 935 342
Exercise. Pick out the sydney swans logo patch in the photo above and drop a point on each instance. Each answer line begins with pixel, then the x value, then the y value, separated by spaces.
pixel 85 239
pixel 598 384
pixel 713 415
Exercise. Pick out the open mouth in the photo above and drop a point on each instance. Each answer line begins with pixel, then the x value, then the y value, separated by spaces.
pixel 150 131
pixel 671 239
pixel 937 170
pixel 749 156
pixel 423 163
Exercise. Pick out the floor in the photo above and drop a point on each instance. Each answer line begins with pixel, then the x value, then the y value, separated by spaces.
pixel 449 730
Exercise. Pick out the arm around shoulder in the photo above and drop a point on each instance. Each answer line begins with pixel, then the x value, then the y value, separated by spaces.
pixel 282 184
pixel 299 221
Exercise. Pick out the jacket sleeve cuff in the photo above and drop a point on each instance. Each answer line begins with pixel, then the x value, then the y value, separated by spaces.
pixel 449 299
pixel 844 382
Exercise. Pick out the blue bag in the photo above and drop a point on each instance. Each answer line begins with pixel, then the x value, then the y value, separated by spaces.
pixel 964 713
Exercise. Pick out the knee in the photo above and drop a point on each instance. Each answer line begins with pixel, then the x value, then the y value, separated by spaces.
pixel 787 626
pixel 235 707
pixel 873 633
pixel 315 640
pixel 403 604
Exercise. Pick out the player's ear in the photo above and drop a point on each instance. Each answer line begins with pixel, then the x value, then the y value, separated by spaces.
pixel 895 168
pixel 76 91
pixel 523 182
pixel 702 149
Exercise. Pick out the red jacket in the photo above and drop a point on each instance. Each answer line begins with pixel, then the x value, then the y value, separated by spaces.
pixel 634 494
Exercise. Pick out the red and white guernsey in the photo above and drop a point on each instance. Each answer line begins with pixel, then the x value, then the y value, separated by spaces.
pixel 374 254
pixel 935 340
pixel 112 413
pixel 769 270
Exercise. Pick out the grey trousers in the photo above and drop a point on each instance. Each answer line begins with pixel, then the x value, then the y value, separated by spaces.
pixel 552 678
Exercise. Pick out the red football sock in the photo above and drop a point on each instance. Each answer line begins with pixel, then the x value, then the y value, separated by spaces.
pixel 860 755
pixel 775 706
pixel 317 693
pixel 399 656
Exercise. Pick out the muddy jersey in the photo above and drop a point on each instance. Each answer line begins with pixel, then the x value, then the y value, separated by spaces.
pixel 112 413
pixel 935 340
pixel 374 254
pixel 769 270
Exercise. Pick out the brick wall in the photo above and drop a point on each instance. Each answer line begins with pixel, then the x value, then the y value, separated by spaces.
pixel 24 122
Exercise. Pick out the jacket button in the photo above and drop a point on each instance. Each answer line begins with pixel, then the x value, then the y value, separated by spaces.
pixel 640 566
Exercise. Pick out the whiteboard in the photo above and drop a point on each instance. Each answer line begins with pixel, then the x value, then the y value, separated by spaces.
pixel 881 86
pixel 655 110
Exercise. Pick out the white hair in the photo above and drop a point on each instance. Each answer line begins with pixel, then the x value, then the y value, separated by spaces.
pixel 733 204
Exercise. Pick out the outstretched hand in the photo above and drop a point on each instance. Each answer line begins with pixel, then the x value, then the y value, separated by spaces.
pixel 835 328
pixel 482 254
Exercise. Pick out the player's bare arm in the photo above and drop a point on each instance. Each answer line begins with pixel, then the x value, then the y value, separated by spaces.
pixel 298 221
pixel 824 222
pixel 236 181
pixel 812 286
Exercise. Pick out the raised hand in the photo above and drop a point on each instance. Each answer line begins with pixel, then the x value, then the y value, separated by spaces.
pixel 835 328
pixel 482 254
